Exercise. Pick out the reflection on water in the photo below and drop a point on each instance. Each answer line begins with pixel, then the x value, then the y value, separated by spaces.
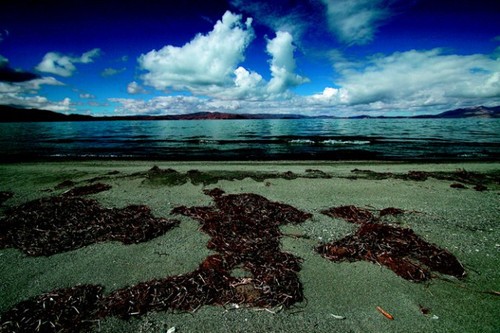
pixel 266 139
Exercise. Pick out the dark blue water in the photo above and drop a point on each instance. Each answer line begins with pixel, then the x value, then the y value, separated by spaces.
pixel 328 139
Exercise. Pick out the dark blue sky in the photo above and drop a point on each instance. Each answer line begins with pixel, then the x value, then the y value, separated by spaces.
pixel 310 56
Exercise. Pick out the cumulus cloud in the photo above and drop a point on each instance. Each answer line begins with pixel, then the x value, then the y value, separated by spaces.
pixel 415 79
pixel 330 96
pixel 27 87
pixel 281 49
pixel 35 102
pixel 247 82
pixel 356 21
pixel 207 60
pixel 160 105
pixel 190 104
pixel 20 88
pixel 134 88
pixel 411 81
pixel 63 65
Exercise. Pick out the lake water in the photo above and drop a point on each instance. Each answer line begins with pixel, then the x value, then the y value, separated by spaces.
pixel 321 139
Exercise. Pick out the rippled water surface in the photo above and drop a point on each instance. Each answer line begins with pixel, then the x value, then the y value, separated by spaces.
pixel 332 139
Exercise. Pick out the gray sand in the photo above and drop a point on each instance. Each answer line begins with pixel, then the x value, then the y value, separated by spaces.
pixel 464 221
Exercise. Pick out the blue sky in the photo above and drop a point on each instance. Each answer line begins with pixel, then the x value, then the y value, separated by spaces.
pixel 334 57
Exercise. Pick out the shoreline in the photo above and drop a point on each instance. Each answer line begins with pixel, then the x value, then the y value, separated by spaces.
pixel 463 221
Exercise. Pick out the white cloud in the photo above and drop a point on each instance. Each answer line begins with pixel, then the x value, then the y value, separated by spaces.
pixel 329 96
pixel 24 94
pixel 209 64
pixel 208 60
pixel 37 83
pixel 160 105
pixel 282 64
pixel 112 71
pixel 35 102
pixel 87 96
pixel 409 82
pixel 419 78
pixel 8 88
pixel 134 88
pixel 246 80
pixel 63 65
pixel 356 21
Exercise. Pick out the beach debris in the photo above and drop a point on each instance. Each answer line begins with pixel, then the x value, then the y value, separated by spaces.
pixel 171 330
pixel 51 225
pixel 62 310
pixel 87 189
pixel 351 214
pixel 4 196
pixel 391 211
pixel 171 177
pixel 385 313
pixel 424 310
pixel 337 316
pixel 359 215
pixel 492 292
pixel 65 184
pixel 315 173
pixel 369 174
pixel 289 175
pixel 418 175
pixel 459 176
pixel 399 249
pixel 480 187
pixel 244 230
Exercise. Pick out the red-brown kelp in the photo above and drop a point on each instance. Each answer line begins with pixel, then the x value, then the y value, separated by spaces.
pixel 399 249
pixel 87 189
pixel 4 196
pixel 63 311
pixel 57 224
pixel 244 230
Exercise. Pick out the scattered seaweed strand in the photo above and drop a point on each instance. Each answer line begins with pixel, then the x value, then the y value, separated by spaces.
pixel 399 249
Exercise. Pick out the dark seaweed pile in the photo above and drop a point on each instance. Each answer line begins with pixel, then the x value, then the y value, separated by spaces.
pixel 4 196
pixel 62 310
pixel 87 189
pixel 479 180
pixel 351 214
pixel 399 249
pixel 58 224
pixel 171 177
pixel 244 230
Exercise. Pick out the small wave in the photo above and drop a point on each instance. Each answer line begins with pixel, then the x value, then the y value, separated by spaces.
pixel 208 142
pixel 302 141
pixel 345 142
pixel 91 155
pixel 329 142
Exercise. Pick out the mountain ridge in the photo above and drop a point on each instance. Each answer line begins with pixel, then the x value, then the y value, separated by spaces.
pixel 15 114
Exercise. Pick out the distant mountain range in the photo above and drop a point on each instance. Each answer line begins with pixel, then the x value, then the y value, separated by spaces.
pixel 13 114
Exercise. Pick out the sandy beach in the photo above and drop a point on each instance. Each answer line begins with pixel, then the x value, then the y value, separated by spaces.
pixel 338 296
